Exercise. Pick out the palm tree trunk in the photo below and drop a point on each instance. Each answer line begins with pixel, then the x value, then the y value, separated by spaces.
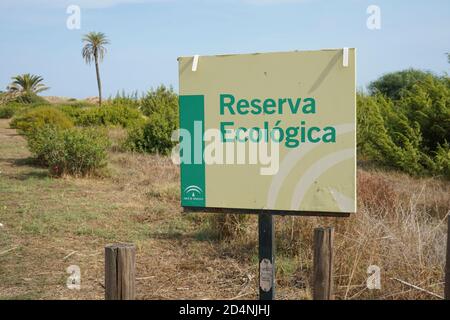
pixel 99 84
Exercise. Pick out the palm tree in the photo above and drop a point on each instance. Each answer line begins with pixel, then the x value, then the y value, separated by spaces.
pixel 94 50
pixel 27 83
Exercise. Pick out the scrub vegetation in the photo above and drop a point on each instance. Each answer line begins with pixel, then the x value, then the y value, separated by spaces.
pixel 50 223
pixel 405 123
pixel 75 176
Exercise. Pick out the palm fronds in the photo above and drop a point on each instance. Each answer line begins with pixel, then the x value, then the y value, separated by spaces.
pixel 27 83
pixel 94 46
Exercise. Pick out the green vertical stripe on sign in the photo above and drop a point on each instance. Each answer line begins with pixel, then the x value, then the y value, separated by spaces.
pixel 192 116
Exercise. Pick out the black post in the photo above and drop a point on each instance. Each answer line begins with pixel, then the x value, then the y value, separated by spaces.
pixel 447 264
pixel 266 257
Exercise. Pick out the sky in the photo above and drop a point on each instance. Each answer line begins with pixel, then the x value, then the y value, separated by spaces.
pixel 147 36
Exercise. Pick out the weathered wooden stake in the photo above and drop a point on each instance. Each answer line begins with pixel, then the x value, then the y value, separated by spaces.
pixel 266 257
pixel 447 264
pixel 323 264
pixel 120 272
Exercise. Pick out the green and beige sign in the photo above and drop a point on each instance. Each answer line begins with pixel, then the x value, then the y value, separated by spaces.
pixel 271 131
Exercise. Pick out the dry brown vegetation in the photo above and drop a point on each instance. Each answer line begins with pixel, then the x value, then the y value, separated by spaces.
pixel 50 224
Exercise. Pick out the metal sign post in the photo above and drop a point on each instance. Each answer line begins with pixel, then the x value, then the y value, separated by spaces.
pixel 266 257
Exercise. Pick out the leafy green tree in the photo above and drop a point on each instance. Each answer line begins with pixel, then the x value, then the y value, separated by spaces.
pixel 27 84
pixel 385 137
pixel 427 104
pixel 442 160
pixel 393 84
pixel 94 50
pixel 409 131
pixel 372 135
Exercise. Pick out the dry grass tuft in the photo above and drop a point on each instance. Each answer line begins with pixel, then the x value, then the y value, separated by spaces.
pixel 228 226
pixel 117 136
pixel 375 191
pixel 395 229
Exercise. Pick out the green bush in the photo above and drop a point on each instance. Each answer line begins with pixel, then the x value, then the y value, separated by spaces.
pixel 161 99
pixel 411 130
pixel 405 122
pixel 392 85
pixel 74 151
pixel 73 112
pixel 39 117
pixel 442 160
pixel 427 103
pixel 386 137
pixel 9 110
pixel 6 112
pixel 155 135
pixel 107 115
pixel 78 104
pixel 124 99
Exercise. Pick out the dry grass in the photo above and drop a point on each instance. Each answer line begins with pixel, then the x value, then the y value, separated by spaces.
pixel 50 224
pixel 396 228
pixel 117 136
pixel 400 227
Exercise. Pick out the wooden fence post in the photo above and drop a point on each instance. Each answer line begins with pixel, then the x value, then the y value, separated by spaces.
pixel 120 272
pixel 447 264
pixel 323 264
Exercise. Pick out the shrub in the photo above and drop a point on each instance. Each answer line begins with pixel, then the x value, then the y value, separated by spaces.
pixel 125 99
pixel 442 160
pixel 73 151
pixel 154 136
pixel 427 103
pixel 39 117
pixel 107 115
pixel 6 112
pixel 72 111
pixel 9 110
pixel 385 136
pixel 156 101
pixel 78 104
pixel 393 84
pixel 409 131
